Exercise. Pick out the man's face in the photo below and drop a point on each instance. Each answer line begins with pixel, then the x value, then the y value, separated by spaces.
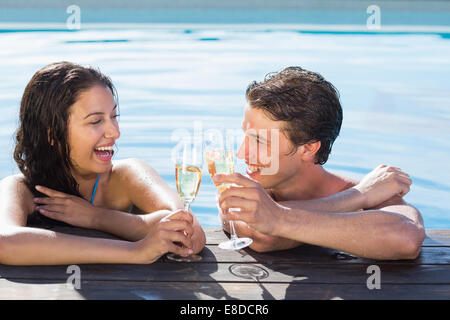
pixel 265 150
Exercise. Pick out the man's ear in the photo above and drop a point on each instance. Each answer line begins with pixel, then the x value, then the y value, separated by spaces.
pixel 308 151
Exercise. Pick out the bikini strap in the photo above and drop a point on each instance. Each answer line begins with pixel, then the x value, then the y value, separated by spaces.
pixel 95 189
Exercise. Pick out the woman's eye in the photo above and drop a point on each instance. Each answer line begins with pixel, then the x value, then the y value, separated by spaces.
pixel 116 116
pixel 96 122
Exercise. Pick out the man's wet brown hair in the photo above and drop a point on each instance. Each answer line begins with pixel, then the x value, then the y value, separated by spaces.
pixel 305 101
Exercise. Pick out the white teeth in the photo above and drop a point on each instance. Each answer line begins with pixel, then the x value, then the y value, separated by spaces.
pixel 104 148
pixel 253 168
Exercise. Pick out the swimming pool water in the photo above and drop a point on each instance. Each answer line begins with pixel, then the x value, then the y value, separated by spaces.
pixel 395 92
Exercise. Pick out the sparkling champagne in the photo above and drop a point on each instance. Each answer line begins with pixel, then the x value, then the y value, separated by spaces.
pixel 188 181
pixel 220 162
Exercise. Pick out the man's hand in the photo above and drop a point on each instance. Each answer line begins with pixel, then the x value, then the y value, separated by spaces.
pixel 383 183
pixel 257 208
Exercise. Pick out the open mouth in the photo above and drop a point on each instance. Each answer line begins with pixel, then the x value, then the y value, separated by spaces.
pixel 104 153
pixel 253 169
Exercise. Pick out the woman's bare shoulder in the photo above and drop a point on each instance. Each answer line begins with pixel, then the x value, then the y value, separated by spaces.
pixel 125 169
pixel 14 183
pixel 144 187
pixel 129 178
pixel 16 198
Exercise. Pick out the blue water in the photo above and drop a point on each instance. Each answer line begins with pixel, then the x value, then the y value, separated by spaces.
pixel 395 92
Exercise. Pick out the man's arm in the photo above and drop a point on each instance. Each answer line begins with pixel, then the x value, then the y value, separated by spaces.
pixel 345 201
pixel 392 232
pixel 395 231
pixel 260 215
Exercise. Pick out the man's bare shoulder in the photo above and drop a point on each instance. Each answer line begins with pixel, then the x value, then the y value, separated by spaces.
pixel 345 182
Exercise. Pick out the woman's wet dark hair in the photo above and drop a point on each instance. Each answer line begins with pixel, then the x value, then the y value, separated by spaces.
pixel 42 152
pixel 305 101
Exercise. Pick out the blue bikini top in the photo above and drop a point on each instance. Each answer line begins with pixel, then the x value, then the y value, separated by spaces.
pixel 95 189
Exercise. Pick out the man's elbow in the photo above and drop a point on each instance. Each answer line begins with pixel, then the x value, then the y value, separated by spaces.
pixel 263 244
pixel 411 242
pixel 261 247
pixel 270 243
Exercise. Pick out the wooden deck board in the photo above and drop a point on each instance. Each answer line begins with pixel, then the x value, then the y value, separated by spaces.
pixel 306 272
pixel 222 272
pixel 125 290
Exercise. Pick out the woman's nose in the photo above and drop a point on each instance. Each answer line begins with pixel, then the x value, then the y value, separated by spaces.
pixel 112 131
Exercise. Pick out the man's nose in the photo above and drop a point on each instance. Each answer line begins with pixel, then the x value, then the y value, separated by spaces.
pixel 241 152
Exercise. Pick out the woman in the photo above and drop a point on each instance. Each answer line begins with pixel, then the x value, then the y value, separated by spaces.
pixel 64 144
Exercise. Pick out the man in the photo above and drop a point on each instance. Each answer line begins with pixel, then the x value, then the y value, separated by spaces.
pixel 301 202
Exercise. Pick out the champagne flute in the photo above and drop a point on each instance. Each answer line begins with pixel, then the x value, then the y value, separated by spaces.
pixel 220 161
pixel 188 176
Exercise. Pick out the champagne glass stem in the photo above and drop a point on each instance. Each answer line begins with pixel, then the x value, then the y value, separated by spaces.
pixel 187 206
pixel 233 231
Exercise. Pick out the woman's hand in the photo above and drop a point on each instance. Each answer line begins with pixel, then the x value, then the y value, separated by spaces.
pixel 67 208
pixel 176 227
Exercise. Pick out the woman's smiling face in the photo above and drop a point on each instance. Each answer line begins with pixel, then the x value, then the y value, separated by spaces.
pixel 93 125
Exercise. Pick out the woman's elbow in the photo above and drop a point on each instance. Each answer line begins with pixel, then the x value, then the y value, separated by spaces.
pixel 4 256
pixel 1 250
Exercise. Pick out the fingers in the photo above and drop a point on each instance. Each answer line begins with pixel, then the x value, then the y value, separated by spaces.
pixel 51 207
pixel 179 225
pixel 182 251
pixel 400 175
pixel 394 169
pixel 404 179
pixel 237 202
pixel 50 192
pixel 180 237
pixel 241 192
pixel 55 215
pixel 404 189
pixel 247 216
pixel 236 178
pixel 49 200
pixel 181 215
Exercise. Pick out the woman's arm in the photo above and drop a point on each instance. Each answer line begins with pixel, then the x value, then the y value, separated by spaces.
pixel 21 245
pixel 136 182
pixel 150 193
pixel 34 246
